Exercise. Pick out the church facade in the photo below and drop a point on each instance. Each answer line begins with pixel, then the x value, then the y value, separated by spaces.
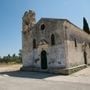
pixel 53 45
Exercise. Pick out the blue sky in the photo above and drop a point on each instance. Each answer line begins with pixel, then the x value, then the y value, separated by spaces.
pixel 11 12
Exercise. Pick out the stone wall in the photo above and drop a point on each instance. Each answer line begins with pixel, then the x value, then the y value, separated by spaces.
pixel 56 53
pixel 77 43
pixel 28 21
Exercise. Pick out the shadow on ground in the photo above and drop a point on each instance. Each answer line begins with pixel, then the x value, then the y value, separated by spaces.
pixel 24 74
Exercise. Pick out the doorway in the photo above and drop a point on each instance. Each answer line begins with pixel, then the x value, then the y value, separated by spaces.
pixel 43 60
pixel 85 57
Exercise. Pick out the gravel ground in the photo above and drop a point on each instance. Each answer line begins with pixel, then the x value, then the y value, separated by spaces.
pixel 12 79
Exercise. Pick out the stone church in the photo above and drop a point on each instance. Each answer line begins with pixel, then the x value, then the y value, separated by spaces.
pixel 53 45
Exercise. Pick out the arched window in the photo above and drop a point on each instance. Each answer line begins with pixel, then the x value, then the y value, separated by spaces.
pixel 34 43
pixel 52 39
pixel 75 42
pixel 42 27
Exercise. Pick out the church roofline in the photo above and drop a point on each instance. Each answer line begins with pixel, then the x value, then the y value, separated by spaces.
pixel 53 19
pixel 57 19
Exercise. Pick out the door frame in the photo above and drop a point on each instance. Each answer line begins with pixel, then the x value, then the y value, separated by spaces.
pixel 44 60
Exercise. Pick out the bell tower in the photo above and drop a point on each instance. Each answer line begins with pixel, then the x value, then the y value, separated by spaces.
pixel 28 21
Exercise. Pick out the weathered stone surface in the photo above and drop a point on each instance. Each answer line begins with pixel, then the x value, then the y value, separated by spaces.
pixel 70 44
pixel 75 55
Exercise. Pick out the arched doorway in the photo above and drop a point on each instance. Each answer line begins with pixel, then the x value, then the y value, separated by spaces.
pixel 43 60
pixel 85 57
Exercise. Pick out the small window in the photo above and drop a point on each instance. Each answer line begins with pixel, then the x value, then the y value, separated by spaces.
pixel 34 43
pixel 42 27
pixel 52 39
pixel 75 42
pixel 89 45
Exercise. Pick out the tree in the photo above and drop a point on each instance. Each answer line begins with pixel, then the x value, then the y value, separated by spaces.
pixel 20 55
pixel 8 56
pixel 85 26
pixel 14 55
pixel 0 59
pixel 5 59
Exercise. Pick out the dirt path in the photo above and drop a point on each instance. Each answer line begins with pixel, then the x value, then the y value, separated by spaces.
pixel 6 68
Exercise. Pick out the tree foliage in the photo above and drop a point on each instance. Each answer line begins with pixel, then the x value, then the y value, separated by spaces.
pixel 85 26
pixel 11 59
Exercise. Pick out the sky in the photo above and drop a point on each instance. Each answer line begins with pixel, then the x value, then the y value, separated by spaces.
pixel 11 12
